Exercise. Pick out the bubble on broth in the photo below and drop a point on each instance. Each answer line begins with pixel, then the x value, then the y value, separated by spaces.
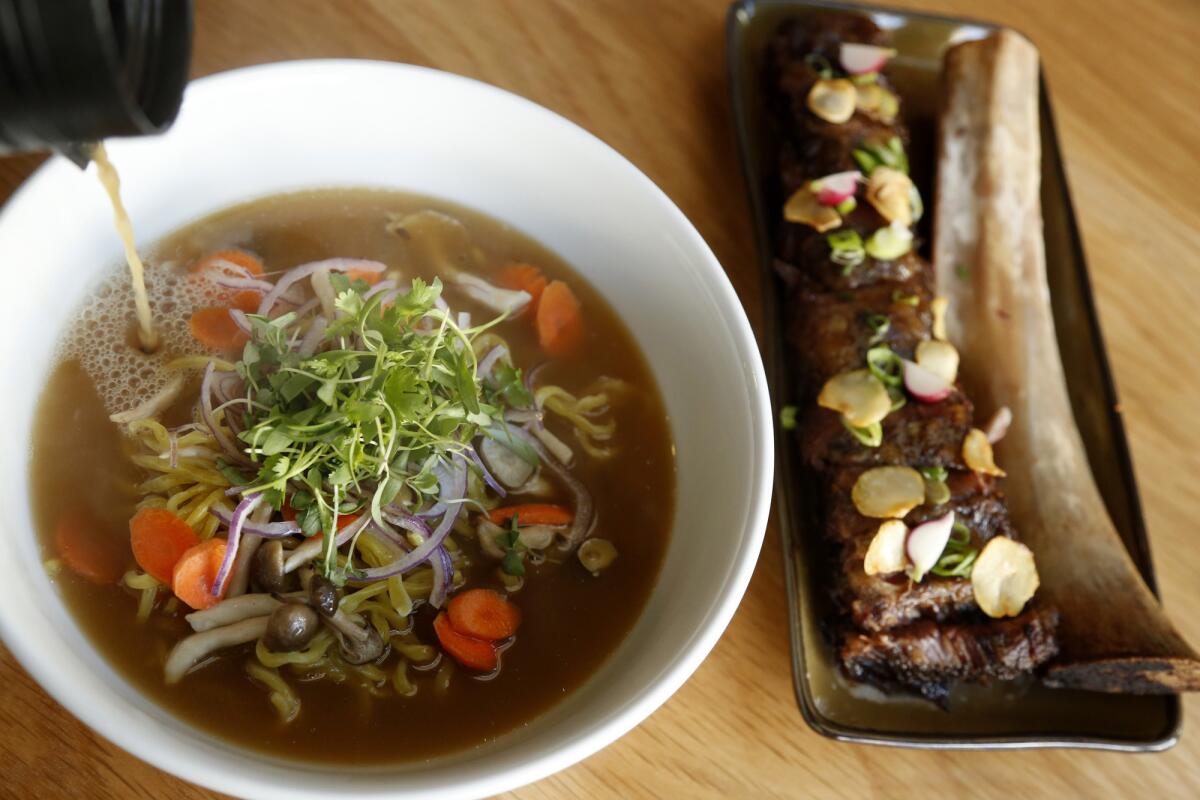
pixel 103 338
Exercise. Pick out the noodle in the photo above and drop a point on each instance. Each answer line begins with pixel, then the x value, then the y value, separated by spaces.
pixel 285 700
pixel 314 652
pixel 400 682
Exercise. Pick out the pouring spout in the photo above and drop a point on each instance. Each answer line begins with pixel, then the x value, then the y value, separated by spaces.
pixel 78 153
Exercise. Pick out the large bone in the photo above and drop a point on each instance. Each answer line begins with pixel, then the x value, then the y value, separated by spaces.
pixel 1114 635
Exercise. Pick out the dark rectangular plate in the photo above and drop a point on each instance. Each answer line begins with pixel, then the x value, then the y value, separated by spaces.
pixel 1004 715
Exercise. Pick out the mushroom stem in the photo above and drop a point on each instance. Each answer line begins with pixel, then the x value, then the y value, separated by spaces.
pixel 190 651
pixel 236 609
pixel 241 565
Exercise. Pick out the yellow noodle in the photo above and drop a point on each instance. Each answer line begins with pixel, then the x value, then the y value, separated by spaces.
pixel 441 681
pixel 400 682
pixel 387 613
pixel 146 603
pixel 398 595
pixel 416 653
pixel 136 579
pixel 314 652
pixel 285 700
pixel 351 602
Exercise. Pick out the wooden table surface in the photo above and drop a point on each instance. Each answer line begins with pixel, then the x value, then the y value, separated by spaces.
pixel 648 77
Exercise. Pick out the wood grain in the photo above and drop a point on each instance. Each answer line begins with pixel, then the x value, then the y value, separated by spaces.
pixel 649 78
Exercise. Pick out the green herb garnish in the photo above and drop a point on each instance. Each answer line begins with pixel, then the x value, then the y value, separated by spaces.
pixel 959 556
pixel 961 271
pixel 890 154
pixel 871 435
pixel 934 474
pixel 820 65
pixel 879 325
pixel 393 398
pixel 787 418
pixel 905 299
pixel 513 562
pixel 846 249
pixel 885 365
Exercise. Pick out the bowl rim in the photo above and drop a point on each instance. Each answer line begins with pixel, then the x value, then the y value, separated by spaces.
pixel 165 752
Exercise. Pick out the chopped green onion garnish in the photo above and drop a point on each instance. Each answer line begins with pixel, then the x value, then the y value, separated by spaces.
pixel 787 418
pixel 905 299
pixel 898 398
pixel 864 79
pixel 889 243
pixel 961 271
pixel 866 160
pixel 935 474
pixel 915 202
pixel 846 249
pixel 885 365
pixel 879 325
pixel 846 206
pixel 819 64
pixel 959 556
pixel 870 156
pixel 871 435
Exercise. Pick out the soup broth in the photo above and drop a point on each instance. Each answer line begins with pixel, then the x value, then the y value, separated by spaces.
pixel 571 620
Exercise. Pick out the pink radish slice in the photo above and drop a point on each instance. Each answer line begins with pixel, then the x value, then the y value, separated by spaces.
pixel 860 59
pixel 925 385
pixel 833 189
pixel 926 543
pixel 998 425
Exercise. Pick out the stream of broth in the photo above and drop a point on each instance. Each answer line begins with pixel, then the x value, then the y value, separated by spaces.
pixel 137 271
pixel 571 621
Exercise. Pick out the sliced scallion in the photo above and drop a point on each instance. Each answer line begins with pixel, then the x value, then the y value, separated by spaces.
pixel 846 249
pixel 879 325
pixel 846 206
pixel 958 558
pixel 820 65
pixel 787 418
pixel 885 365
pixel 871 435
pixel 905 299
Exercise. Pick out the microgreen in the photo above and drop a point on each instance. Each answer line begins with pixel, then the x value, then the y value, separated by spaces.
pixel 513 562
pixel 391 395
pixel 958 558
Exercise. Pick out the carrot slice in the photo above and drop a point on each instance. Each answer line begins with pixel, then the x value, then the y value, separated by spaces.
pixel 471 653
pixel 159 539
pixel 532 514
pixel 559 320
pixel 364 275
pixel 82 545
pixel 246 300
pixel 483 614
pixel 214 328
pixel 525 278
pixel 241 258
pixel 197 571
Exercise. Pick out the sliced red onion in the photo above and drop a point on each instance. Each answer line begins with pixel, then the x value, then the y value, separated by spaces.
pixel 440 304
pixel 306 307
pixel 256 284
pixel 312 338
pixel 453 491
pixel 483 472
pixel 236 524
pixel 495 354
pixel 312 547
pixel 206 413
pixel 443 577
pixel 240 319
pixel 267 530
pixel 464 319
pixel 499 300
pixel 532 374
pixel 387 537
pixel 305 270
pixel 585 509
pixel 400 517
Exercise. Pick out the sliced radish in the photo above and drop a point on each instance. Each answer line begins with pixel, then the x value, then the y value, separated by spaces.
pixel 940 358
pixel 885 555
pixel 925 384
pixel 926 543
pixel 998 425
pixel 860 59
pixel 834 189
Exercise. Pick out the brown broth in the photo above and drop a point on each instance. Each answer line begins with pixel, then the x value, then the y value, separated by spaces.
pixel 571 621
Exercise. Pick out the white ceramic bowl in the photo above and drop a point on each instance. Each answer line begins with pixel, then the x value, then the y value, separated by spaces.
pixel 287 126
